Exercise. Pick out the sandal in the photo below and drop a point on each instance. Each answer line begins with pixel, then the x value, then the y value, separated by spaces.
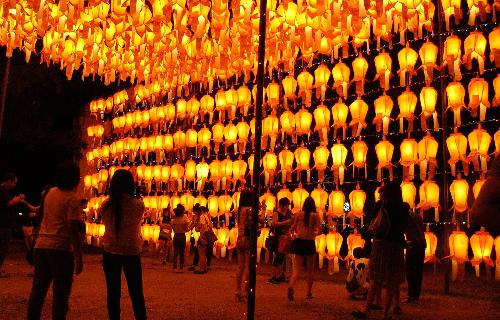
pixel 290 294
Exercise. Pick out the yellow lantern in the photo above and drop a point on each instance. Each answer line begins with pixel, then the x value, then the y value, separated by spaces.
pixel 409 193
pixel 302 158
pixel 481 243
pixel 457 148
pixel 286 158
pixel 451 56
pixel 428 55
pixel 220 103
pixel 168 143
pixel 187 200
pixel 320 156
pixel 231 136
pixel 250 162
pixel 383 66
pixel 303 119
pixel 191 138
pixel 215 174
pixel 409 156
pixel 284 193
pixel 204 137
pixel 357 198
pixel 358 110
pixel 431 245
pixel 384 150
pixel 273 94
pixel 383 109
pixel 270 162
pixel 452 7
pixel 459 247
pixel 207 105
pixel 320 242
pixel 202 170
pixel 427 153
pixel 226 171
pixel 305 82
pixel 320 197
pixel 239 170
pixel 244 98
pixel 496 137
pixel 193 108
pixel 287 123
pixel 359 67
pixel 407 101
pixel 341 74
pixel 269 129
pixel 190 170
pixel 336 201
pixel 459 190
pixel 478 97
pixel 339 155
pixel 479 144
pixel 299 196
pixel 494 42
pixel 218 135
pixel 339 114
pixel 475 47
pixel 231 102
pixel 289 87
pixel 321 77
pixel 428 100
pixel 497 254
pixel 359 151
pixel 333 244
pixel 176 175
pixel 213 206
pixel 407 59
pixel 270 201
pixel 428 193
pixel 181 109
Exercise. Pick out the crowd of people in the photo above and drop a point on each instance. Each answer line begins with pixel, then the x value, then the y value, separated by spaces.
pixel 57 251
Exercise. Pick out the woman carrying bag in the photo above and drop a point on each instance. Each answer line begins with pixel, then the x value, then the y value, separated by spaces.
pixel 387 257
pixel 207 238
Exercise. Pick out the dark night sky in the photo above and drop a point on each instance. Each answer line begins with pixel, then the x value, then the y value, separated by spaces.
pixel 41 119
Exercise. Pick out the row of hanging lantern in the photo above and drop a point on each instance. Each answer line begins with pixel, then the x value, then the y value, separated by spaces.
pixel 170 40
pixel 481 244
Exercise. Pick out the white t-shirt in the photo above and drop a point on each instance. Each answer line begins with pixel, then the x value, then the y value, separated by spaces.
pixel 59 208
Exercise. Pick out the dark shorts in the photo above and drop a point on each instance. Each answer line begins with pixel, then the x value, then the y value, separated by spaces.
pixel 304 247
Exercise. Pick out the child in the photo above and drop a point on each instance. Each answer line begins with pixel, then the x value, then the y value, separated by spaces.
pixel 356 283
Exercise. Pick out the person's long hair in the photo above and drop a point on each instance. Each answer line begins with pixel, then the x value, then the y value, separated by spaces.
pixel 391 195
pixel 246 200
pixel 308 208
pixel 121 184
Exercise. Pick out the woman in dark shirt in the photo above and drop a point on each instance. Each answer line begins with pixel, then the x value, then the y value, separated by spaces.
pixel 387 256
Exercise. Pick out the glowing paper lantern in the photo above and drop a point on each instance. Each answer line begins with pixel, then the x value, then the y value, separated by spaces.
pixel 320 242
pixel 303 120
pixel 286 158
pixel 383 109
pixel 407 101
pixel 322 120
pixel 457 148
pixel 320 197
pixel 339 155
pixel 299 195
pixel 305 82
pixel 428 193
pixel 409 157
pixel 481 243
pixel 383 66
pixel 407 59
pixel 451 56
pixel 270 129
pixel 431 245
pixel 360 67
pixel 270 162
pixel 459 190
pixel 475 47
pixel 427 153
pixel 459 246
pixel 333 244
pixel 339 114
pixel 478 97
pixel 320 156
pixel 409 193
pixel 479 144
pixel 428 100
pixel 384 150
pixel 321 77
pixel 358 110
pixel 357 198
pixel 218 135
pixel 354 240
pixel 302 158
pixel 341 74
pixel 494 42
pixel 428 55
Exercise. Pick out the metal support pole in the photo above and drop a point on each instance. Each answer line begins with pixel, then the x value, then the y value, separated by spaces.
pixel 5 86
pixel 252 278
pixel 444 163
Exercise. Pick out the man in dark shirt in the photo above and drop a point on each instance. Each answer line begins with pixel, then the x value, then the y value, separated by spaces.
pixel 7 216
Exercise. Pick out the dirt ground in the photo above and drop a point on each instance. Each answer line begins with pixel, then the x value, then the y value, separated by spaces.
pixel 211 296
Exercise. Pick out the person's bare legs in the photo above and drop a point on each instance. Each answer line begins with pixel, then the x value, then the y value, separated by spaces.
pixel 310 274
pixel 202 264
pixel 373 290
pixel 242 258
pixel 297 262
